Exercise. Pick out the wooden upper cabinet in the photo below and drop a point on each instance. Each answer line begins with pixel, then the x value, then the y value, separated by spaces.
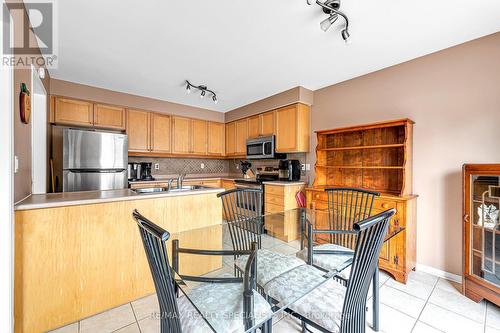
pixel 216 138
pixel 181 135
pixel 254 126
pixel 199 136
pixel 108 116
pixel 230 138
pixel 241 136
pixel 138 126
pixel 293 128
pixel 75 112
pixel 160 133
pixel 267 127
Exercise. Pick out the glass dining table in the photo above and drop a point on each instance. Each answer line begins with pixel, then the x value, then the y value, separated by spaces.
pixel 283 233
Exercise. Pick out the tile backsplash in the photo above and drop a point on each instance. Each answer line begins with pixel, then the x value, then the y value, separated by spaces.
pixel 173 165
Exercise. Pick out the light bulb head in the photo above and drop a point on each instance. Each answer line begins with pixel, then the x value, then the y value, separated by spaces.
pixel 345 36
pixel 202 94
pixel 327 23
pixel 188 89
pixel 214 98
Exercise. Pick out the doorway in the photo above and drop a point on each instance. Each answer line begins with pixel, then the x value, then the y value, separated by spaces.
pixel 38 134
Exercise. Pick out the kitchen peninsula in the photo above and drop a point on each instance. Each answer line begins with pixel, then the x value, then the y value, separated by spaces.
pixel 78 254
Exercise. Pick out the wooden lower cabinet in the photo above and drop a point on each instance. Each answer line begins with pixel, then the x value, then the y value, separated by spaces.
pixel 279 198
pixel 398 255
pixel 227 184
pixel 74 262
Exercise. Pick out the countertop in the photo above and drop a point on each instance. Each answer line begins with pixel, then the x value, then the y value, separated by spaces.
pixel 51 200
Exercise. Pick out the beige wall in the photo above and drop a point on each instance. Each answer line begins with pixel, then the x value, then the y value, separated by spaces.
pixel 22 132
pixel 81 91
pixel 454 98
pixel 294 95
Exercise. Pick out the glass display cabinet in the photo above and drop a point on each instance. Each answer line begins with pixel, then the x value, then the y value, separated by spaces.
pixel 481 232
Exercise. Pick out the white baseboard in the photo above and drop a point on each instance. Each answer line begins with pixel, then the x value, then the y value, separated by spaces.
pixel 439 273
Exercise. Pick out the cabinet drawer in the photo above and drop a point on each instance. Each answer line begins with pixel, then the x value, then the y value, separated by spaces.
pixel 274 190
pixel 272 208
pixel 274 199
pixel 384 204
pixel 212 183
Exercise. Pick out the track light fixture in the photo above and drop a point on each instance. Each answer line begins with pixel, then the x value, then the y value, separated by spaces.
pixel 331 7
pixel 203 90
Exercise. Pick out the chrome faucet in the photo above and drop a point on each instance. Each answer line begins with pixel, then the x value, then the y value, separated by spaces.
pixel 180 179
pixel 169 182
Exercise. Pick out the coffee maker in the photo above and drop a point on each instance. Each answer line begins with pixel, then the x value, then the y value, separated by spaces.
pixel 146 171
pixel 133 171
pixel 289 170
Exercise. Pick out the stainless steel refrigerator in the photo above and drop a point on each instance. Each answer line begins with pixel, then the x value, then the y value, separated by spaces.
pixel 87 160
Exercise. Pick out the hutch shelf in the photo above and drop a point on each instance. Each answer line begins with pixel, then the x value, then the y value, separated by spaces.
pixel 481 232
pixel 376 157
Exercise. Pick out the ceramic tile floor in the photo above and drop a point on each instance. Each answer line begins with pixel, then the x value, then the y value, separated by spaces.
pixel 425 304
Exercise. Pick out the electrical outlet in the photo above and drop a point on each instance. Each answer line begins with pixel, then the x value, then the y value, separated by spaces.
pixel 308 167
pixel 157 166
pixel 16 164
pixel 303 167
pixel 202 165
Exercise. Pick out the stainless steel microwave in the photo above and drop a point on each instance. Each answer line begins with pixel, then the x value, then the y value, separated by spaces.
pixel 261 148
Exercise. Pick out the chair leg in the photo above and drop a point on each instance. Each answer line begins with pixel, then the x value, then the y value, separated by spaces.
pixel 304 327
pixel 376 301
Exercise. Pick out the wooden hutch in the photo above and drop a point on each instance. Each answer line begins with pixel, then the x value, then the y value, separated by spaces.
pixel 481 232
pixel 376 157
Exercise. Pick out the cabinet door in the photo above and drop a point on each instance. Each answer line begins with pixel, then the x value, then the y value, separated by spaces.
pixel 74 112
pixel 181 135
pixel 160 133
pixel 199 136
pixel 216 138
pixel 138 130
pixel 254 126
pixel 267 123
pixel 286 129
pixel 230 138
pixel 241 136
pixel 108 116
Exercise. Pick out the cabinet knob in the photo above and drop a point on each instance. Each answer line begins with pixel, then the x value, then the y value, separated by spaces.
pixel 385 205
pixel 466 217
pixel 317 195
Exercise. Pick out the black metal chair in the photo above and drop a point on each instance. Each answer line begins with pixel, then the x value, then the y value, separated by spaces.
pixel 333 307
pixel 346 206
pixel 178 315
pixel 243 213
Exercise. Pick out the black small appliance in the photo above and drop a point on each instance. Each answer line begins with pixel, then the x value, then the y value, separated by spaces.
pixel 289 170
pixel 146 171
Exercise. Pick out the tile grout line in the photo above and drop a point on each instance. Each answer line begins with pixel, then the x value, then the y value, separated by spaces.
pixel 135 316
pixel 425 304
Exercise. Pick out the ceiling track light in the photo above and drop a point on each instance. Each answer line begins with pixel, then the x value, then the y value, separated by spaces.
pixel 204 89
pixel 331 7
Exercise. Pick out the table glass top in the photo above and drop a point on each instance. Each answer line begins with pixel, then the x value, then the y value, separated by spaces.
pixel 282 239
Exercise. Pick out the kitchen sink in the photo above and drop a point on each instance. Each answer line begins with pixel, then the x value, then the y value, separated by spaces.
pixel 165 189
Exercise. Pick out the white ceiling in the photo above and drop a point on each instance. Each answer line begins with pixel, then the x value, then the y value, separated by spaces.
pixel 249 50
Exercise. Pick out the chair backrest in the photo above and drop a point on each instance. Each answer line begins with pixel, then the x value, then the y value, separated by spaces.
pixel 370 238
pixel 153 239
pixel 243 212
pixel 346 206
